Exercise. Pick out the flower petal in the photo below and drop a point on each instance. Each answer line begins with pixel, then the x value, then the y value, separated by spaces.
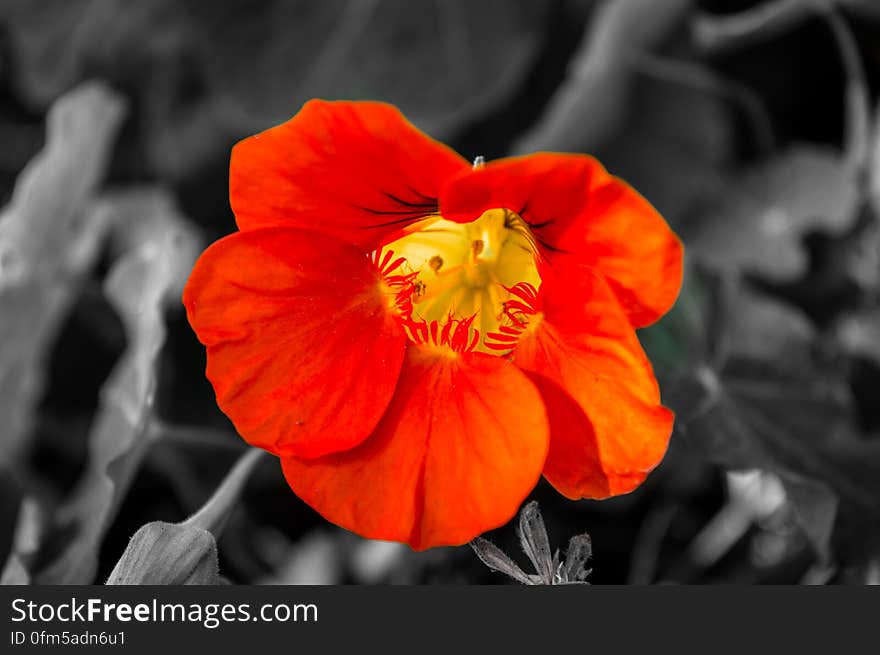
pixel 303 351
pixel 358 170
pixel 607 427
pixel 462 444
pixel 576 208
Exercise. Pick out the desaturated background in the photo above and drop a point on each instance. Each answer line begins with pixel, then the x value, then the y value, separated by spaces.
pixel 751 126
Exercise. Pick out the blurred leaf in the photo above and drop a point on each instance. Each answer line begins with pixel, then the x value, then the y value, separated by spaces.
pixel 671 343
pixel 860 334
pixel 372 561
pixel 758 327
pixel 168 554
pixel 150 214
pixel 473 53
pixel 815 507
pixel 760 221
pixel 675 148
pixel 15 572
pixel 315 560
pixel 136 286
pixel 48 242
pixel 26 543
pixel 762 398
pixel 204 79
pixel 57 44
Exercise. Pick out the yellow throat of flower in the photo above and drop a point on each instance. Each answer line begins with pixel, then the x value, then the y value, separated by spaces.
pixel 464 271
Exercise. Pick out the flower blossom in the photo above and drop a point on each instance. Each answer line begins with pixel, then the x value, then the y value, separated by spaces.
pixel 418 339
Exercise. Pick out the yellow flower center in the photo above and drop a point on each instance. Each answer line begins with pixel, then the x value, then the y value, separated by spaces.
pixel 465 271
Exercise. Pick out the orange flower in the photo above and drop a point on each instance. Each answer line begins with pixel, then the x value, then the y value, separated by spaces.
pixel 420 340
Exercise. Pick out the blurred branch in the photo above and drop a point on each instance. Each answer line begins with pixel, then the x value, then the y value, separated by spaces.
pixel 714 34
pixel 857 105
pixel 752 496
pixel 214 514
pixel 646 551
pixel 874 176
pixel 191 435
pixel 590 104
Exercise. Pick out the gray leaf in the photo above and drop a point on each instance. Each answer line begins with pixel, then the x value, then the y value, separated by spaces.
pixel 580 549
pixel 534 540
pixel 497 560
pixel 48 241
pixel 136 286
pixel 167 554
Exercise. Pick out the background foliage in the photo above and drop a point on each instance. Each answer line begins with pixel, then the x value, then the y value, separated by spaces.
pixel 753 127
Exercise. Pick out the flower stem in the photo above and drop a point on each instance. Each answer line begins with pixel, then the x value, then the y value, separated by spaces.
pixel 214 514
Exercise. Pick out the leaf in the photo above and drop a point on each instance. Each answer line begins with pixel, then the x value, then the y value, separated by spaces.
pixel 533 538
pixel 48 242
pixel 473 54
pixel 496 559
pixel 147 214
pixel 674 148
pixel 676 341
pixel 186 552
pixel 580 549
pixel 162 553
pixel 136 286
pixel 758 224
pixel 759 327
pixel 58 44
pixel 535 542
pixel 204 79
pixel 765 400
pixel 815 507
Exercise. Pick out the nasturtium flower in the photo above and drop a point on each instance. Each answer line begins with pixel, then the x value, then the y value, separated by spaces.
pixel 419 339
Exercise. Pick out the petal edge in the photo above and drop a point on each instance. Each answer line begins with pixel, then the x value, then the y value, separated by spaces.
pixel 461 446
pixel 283 314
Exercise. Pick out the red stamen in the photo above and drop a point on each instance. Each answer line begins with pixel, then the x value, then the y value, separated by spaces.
pixel 517 312
pixel 456 334
pixel 402 284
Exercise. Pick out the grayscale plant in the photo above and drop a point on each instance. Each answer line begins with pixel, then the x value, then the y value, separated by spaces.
pixel 550 569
